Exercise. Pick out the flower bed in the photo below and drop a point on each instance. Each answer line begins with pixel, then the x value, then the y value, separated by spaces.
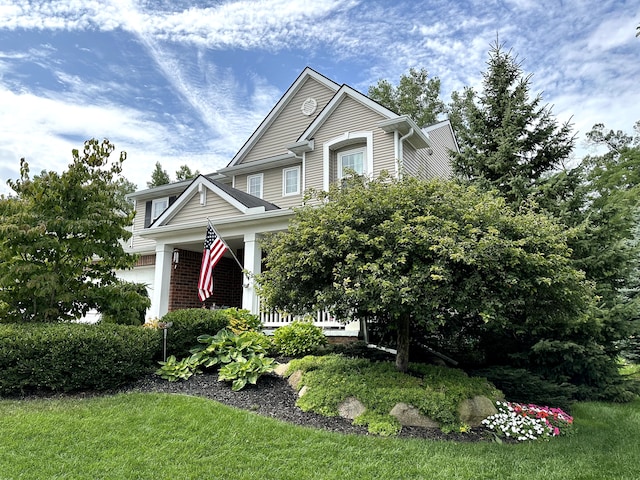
pixel 528 422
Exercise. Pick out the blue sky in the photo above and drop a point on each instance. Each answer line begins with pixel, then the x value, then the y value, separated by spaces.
pixel 186 82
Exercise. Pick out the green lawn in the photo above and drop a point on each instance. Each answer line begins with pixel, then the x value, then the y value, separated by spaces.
pixel 160 436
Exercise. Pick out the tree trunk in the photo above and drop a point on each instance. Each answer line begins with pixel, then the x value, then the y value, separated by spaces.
pixel 402 355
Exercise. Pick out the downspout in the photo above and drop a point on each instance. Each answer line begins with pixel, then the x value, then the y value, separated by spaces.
pixel 401 152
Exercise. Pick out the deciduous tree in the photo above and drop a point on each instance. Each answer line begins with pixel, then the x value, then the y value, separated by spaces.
pixel 60 237
pixel 416 95
pixel 416 255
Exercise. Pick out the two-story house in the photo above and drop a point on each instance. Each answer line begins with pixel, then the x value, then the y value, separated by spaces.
pixel 314 134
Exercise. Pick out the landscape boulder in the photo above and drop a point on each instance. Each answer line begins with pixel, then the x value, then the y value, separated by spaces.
pixel 351 408
pixel 474 410
pixel 410 416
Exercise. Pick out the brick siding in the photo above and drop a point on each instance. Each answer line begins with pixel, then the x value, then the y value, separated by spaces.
pixel 183 290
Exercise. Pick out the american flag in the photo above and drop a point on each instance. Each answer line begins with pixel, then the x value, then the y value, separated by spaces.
pixel 214 248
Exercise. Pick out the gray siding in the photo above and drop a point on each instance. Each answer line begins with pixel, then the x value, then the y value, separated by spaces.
pixel 192 211
pixel 137 242
pixel 442 143
pixel 272 187
pixel 291 122
pixel 350 116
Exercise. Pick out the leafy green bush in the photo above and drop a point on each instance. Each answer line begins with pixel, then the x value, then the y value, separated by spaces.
pixel 174 370
pixel 245 371
pixel 435 391
pixel 242 321
pixel 298 338
pixel 241 357
pixel 188 325
pixel 69 357
pixel 226 347
pixel 124 303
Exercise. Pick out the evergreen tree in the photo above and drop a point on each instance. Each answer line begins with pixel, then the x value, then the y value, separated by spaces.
pixel 508 140
pixel 184 173
pixel 158 177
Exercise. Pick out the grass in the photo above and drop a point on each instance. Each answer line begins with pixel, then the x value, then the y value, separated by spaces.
pixel 161 436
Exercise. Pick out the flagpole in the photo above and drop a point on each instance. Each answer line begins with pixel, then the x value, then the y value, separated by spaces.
pixel 229 249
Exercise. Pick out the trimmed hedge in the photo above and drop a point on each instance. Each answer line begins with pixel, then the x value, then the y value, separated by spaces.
pixel 188 325
pixel 71 357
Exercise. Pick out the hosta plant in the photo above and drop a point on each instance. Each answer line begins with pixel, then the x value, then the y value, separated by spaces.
pixel 528 422
pixel 241 359
pixel 246 371
pixel 226 347
pixel 174 370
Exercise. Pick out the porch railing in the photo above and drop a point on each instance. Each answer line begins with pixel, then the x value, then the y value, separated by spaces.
pixel 322 319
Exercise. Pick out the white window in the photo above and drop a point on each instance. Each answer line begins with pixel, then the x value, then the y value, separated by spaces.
pixel 158 206
pixel 254 185
pixel 350 161
pixel 291 181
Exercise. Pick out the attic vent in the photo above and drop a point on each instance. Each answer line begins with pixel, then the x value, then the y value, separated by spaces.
pixel 309 106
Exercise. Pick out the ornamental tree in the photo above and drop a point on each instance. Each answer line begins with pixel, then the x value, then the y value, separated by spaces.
pixel 416 255
pixel 61 237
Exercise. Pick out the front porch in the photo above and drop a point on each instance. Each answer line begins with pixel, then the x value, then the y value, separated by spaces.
pixel 177 268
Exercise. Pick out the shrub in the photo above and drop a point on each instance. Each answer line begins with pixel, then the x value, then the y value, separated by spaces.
pixel 188 325
pixel 242 321
pixel 520 385
pixel 124 303
pixel 72 357
pixel 299 338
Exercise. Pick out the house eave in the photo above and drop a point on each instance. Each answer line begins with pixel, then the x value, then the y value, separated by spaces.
pixel 255 217
pixel 258 165
pixel 403 125
pixel 175 188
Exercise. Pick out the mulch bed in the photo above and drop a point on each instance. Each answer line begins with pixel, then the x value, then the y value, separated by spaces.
pixel 271 397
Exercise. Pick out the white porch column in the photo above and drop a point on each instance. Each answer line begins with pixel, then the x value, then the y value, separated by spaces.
pixel 252 263
pixel 161 281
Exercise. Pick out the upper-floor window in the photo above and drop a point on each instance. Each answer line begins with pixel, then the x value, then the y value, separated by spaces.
pixel 291 181
pixel 254 185
pixel 158 206
pixel 351 152
pixel 350 161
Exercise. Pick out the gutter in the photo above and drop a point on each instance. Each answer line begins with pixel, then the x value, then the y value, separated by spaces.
pixel 401 151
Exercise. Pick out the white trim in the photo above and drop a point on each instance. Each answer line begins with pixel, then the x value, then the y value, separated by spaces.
pixel 188 194
pixel 303 179
pixel 251 177
pixel 155 202
pixel 345 91
pixel 284 181
pixel 343 153
pixel 347 138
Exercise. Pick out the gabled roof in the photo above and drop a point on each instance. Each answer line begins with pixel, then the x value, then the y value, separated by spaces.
pixel 242 201
pixel 443 124
pixel 277 109
pixel 402 123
